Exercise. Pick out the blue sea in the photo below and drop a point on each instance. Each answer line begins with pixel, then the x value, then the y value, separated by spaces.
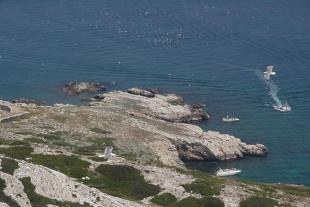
pixel 208 51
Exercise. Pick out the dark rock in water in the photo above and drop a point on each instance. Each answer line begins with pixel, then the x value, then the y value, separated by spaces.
pixel 141 92
pixel 198 105
pixel 27 101
pixel 75 88
pixel 98 97
pixel 199 113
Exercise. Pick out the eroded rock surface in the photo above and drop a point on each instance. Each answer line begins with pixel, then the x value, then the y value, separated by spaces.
pixel 15 189
pixel 168 107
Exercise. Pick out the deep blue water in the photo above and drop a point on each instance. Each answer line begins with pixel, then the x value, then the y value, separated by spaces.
pixel 208 51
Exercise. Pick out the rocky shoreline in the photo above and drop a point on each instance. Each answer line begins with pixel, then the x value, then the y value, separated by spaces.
pixel 189 141
pixel 152 135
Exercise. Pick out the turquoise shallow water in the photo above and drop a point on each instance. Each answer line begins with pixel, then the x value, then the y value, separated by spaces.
pixel 208 51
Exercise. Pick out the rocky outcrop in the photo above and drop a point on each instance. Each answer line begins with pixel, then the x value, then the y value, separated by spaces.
pixel 168 107
pixel 141 92
pixel 12 110
pixel 224 147
pixel 159 117
pixel 75 88
pixel 15 189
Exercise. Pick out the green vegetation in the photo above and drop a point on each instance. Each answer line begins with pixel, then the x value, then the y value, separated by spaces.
pixel 164 199
pixel 195 202
pixel 41 201
pixel 269 189
pixel 13 142
pixel 59 118
pixel 58 135
pixel 8 165
pixel 203 187
pixel 4 142
pixel 4 198
pixel 98 145
pixel 98 159
pixel 294 190
pixel 189 201
pixel 212 202
pixel 69 165
pixel 87 150
pixel 204 184
pixel 20 142
pixel 103 141
pixel 99 131
pixel 25 133
pixel 35 140
pixel 17 152
pixel 255 201
pixel 18 118
pixel 122 181
pixel 129 156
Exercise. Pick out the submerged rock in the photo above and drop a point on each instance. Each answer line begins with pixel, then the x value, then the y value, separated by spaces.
pixel 75 88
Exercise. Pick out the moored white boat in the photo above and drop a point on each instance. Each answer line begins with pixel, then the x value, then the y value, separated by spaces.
pixel 227 172
pixel 230 119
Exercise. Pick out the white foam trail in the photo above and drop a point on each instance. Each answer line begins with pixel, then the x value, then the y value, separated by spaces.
pixel 273 88
pixel 273 92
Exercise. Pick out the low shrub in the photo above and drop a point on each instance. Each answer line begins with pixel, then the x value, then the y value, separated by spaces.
pixel 164 199
pixel 255 201
pixel 122 181
pixel 69 165
pixel 41 201
pixel 8 165
pixel 99 131
pixel 203 202
pixel 17 152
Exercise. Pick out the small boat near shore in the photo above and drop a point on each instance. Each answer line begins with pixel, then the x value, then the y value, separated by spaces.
pixel 227 172
pixel 230 119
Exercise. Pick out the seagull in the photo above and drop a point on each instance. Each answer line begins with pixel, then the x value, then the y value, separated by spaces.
pixel 269 72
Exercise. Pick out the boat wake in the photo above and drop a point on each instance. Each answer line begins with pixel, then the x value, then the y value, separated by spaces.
pixel 273 92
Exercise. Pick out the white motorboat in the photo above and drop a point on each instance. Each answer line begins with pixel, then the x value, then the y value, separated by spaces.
pixel 230 119
pixel 283 108
pixel 227 172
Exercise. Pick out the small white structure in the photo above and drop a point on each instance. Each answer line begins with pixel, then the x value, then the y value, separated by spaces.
pixel 227 172
pixel 269 72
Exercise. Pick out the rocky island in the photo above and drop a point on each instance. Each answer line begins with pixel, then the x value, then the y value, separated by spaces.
pixel 51 155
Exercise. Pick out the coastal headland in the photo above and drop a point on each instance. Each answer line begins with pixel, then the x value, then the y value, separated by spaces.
pixel 50 155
